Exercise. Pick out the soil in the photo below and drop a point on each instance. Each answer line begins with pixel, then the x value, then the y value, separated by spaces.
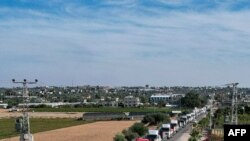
pixel 98 131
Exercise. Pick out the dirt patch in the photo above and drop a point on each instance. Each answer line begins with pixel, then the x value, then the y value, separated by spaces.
pixel 99 131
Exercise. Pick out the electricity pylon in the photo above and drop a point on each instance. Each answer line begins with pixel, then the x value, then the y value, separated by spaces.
pixel 234 106
pixel 22 123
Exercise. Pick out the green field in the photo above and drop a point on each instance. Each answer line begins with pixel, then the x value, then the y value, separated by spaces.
pixel 7 126
pixel 104 109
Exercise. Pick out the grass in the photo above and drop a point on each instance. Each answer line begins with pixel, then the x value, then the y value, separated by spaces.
pixel 7 126
pixel 104 109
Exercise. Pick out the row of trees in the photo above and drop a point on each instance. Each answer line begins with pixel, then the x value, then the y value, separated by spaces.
pixel 198 128
pixel 136 130
pixel 140 129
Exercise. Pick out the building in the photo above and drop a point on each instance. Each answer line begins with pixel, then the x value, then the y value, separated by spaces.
pixel 130 101
pixel 167 98
pixel 3 105
pixel 156 98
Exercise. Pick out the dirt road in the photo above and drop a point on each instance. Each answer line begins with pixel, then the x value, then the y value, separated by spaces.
pixel 99 131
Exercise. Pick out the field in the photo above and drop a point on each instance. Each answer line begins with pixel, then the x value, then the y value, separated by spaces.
pixel 103 109
pixel 7 126
pixel 98 131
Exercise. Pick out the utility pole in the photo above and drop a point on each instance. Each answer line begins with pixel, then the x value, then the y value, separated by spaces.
pixel 211 111
pixel 22 123
pixel 234 106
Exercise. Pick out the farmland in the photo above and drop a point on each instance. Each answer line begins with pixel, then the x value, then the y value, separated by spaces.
pixel 98 131
pixel 37 125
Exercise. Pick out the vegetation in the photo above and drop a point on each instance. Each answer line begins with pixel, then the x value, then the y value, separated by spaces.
pixel 136 130
pixel 192 100
pixel 119 137
pixel 129 135
pixel 139 128
pixel 104 109
pixel 7 126
pixel 155 119
pixel 195 135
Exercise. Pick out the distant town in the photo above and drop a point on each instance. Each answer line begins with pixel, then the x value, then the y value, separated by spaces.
pixel 106 96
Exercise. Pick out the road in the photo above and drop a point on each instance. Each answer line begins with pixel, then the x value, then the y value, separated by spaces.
pixel 183 134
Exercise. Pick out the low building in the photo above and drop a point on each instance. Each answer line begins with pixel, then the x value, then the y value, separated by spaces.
pixel 109 103
pixel 167 98
pixel 3 105
pixel 156 98
pixel 130 101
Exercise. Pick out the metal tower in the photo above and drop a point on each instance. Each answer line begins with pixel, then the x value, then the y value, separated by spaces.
pixel 234 106
pixel 22 123
pixel 211 111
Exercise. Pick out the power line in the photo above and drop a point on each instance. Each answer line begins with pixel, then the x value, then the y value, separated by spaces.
pixel 22 123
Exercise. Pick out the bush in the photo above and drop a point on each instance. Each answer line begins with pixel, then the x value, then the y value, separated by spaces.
pixel 119 137
pixel 139 128
pixel 129 135
pixel 195 135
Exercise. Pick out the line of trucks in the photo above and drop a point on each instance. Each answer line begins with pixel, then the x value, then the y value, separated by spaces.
pixel 168 130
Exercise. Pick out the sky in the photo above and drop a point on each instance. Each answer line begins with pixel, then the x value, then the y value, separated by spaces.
pixel 125 42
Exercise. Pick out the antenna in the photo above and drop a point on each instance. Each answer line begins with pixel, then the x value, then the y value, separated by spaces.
pixel 22 123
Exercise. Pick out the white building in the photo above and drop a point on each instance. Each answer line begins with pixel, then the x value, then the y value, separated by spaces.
pixel 3 105
pixel 164 97
pixel 160 97
pixel 130 101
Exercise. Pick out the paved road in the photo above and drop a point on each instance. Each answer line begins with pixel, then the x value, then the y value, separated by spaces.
pixel 183 134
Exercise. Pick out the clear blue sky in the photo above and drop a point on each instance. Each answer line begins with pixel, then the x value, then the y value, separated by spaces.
pixel 125 42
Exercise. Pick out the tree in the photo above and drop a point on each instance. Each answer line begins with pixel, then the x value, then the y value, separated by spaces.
pixel 143 99
pixel 148 119
pixel 154 119
pixel 161 103
pixel 139 128
pixel 192 100
pixel 119 137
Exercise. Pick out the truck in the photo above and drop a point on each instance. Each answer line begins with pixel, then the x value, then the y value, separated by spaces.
pixel 165 131
pixel 153 135
pixel 189 117
pixel 141 139
pixel 181 123
pixel 184 119
pixel 174 125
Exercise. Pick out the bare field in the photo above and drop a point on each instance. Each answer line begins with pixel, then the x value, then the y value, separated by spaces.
pixel 98 131
pixel 5 114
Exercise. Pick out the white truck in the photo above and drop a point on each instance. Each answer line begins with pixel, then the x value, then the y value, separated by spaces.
pixel 184 119
pixel 153 135
pixel 189 117
pixel 181 123
pixel 174 125
pixel 165 131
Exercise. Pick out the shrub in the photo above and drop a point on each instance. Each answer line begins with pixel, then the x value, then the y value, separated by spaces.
pixel 129 135
pixel 139 128
pixel 119 137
